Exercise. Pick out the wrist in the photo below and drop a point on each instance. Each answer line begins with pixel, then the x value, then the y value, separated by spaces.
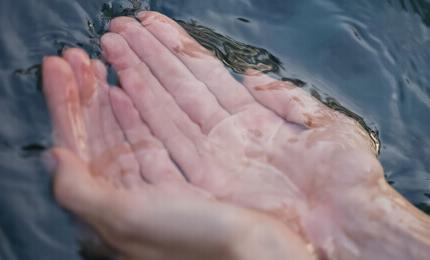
pixel 376 222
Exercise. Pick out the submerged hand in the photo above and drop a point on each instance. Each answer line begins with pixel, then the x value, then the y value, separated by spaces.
pixel 263 144
pixel 249 145
pixel 120 179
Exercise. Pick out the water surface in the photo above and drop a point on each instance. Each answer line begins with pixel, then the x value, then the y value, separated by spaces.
pixel 373 57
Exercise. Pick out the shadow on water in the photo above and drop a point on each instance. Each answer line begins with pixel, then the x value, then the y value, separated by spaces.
pixel 367 59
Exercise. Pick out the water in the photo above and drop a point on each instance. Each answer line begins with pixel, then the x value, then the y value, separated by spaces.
pixel 373 57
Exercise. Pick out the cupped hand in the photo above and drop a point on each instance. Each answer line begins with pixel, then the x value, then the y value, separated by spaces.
pixel 259 143
pixel 114 174
pixel 264 144
pixel 181 119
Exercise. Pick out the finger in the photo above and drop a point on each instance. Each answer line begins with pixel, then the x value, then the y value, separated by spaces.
pixel 155 163
pixel 166 121
pixel 190 94
pixel 81 66
pixel 125 166
pixel 154 113
pixel 100 70
pixel 95 110
pixel 89 99
pixel 62 95
pixel 119 54
pixel 110 154
pixel 202 63
pixel 290 102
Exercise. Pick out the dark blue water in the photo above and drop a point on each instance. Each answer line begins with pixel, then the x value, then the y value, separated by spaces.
pixel 373 57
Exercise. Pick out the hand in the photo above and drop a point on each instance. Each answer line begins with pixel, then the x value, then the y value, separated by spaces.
pixel 263 144
pixel 114 174
pixel 250 144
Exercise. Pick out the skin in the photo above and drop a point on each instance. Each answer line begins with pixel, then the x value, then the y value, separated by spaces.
pixel 182 136
pixel 114 174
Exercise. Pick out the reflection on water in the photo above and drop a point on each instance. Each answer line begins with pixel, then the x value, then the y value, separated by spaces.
pixel 239 57
pixel 234 54
pixel 368 57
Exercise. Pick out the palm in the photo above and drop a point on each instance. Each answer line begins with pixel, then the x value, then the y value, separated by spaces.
pixel 216 129
pixel 275 160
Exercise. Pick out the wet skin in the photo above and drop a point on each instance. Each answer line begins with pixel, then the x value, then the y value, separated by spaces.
pixel 115 175
pixel 182 131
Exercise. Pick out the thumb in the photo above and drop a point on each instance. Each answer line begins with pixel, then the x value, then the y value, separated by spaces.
pixel 74 186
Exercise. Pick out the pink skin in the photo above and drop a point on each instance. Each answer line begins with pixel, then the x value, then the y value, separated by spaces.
pixel 263 144
pixel 112 172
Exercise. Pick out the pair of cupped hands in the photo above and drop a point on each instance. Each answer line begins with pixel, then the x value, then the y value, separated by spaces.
pixel 182 161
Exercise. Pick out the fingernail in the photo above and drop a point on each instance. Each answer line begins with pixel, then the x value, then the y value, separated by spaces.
pixel 50 161
pixel 106 43
pixel 141 14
